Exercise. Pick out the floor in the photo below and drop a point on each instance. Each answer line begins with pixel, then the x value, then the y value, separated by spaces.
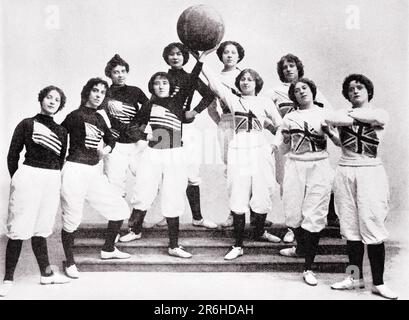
pixel 196 286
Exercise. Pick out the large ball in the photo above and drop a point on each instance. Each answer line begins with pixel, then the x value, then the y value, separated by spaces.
pixel 200 27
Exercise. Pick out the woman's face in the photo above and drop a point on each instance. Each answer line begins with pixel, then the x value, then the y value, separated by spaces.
pixel 247 85
pixel 51 103
pixel 161 87
pixel 175 58
pixel 118 75
pixel 357 93
pixel 230 56
pixel 290 71
pixel 303 93
pixel 96 96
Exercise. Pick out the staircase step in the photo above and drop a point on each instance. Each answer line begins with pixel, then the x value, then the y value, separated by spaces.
pixel 217 246
pixel 204 262
pixel 189 231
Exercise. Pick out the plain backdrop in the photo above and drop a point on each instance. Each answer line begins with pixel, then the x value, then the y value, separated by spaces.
pixel 65 43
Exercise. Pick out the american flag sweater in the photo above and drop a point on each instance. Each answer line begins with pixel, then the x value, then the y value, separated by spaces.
pixel 122 106
pixel 45 142
pixel 87 129
pixel 187 83
pixel 166 115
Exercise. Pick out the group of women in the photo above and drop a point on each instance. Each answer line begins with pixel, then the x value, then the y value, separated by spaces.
pixel 141 136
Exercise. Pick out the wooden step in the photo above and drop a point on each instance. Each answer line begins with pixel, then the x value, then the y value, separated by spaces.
pixel 204 262
pixel 189 231
pixel 217 246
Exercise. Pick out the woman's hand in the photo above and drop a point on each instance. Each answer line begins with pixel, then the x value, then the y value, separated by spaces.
pixel 274 148
pixel 200 57
pixel 206 53
pixel 103 152
pixel 190 115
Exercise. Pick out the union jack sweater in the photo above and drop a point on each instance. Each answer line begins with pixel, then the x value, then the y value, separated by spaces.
pixel 250 113
pixel 307 139
pixel 360 142
pixel 87 129
pixel 45 142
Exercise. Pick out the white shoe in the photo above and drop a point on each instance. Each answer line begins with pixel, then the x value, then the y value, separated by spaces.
pixel 162 223
pixel 228 222
pixel 71 271
pixel 116 254
pixel 130 236
pixel 309 278
pixel 55 278
pixel 6 287
pixel 234 253
pixel 289 252
pixel 204 223
pixel 383 291
pixel 269 237
pixel 179 252
pixel 349 283
pixel 117 238
pixel 289 236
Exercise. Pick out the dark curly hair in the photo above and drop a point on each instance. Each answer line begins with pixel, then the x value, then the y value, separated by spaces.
pixel 116 60
pixel 86 90
pixel 254 74
pixel 180 46
pixel 308 82
pixel 44 92
pixel 162 75
pixel 358 78
pixel 220 49
pixel 290 58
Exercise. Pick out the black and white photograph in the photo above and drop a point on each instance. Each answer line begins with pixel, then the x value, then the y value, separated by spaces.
pixel 205 150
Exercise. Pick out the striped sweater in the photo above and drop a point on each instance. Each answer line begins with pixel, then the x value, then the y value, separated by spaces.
pixel 87 129
pixel 45 142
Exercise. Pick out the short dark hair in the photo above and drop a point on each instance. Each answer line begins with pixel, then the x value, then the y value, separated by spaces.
pixel 44 92
pixel 308 82
pixel 162 75
pixel 86 90
pixel 180 46
pixel 290 58
pixel 254 74
pixel 240 50
pixel 116 60
pixel 358 78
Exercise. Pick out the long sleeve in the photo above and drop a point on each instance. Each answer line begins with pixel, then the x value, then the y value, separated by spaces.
pixel 282 134
pixel 142 98
pixel 144 113
pixel 16 146
pixel 273 114
pixel 372 116
pixel 212 111
pixel 108 137
pixel 207 95
pixel 339 118
pixel 67 123
pixel 197 84
pixel 64 143
pixel 219 88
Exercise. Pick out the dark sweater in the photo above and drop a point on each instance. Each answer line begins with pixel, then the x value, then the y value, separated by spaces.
pixel 45 142
pixel 125 116
pixel 166 115
pixel 86 128
pixel 187 84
